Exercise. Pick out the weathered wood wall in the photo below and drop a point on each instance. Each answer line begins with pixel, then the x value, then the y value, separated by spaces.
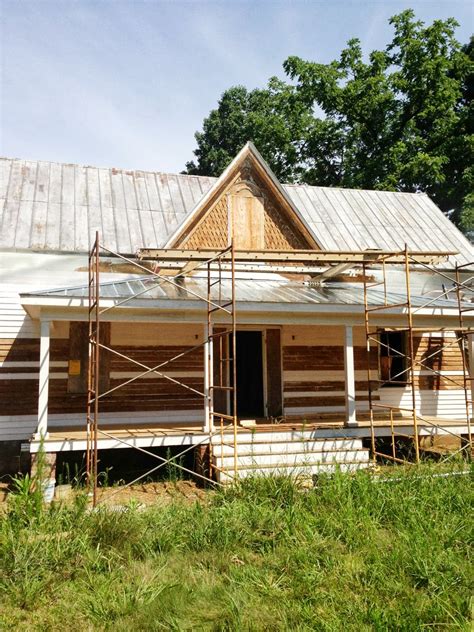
pixel 313 369
pixel 148 399
pixel 436 395
pixel 314 383
pixel 313 375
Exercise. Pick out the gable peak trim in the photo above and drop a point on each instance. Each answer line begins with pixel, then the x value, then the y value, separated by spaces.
pixel 248 157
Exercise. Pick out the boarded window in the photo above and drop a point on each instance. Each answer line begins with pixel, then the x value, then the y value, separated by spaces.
pixel 79 357
pixel 247 222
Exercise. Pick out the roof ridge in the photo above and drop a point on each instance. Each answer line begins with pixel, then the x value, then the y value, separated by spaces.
pixel 116 169
pixel 192 175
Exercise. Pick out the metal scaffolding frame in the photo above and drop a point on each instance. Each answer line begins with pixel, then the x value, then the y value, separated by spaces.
pixel 218 305
pixel 406 377
pixel 220 374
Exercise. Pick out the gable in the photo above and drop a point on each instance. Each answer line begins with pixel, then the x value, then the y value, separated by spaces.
pixel 247 209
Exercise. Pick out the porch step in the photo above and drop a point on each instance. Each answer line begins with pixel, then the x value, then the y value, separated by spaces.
pixel 291 446
pixel 294 453
pixel 306 471
pixel 273 436
pixel 290 459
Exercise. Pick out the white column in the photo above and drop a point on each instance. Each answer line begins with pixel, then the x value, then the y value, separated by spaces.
pixel 42 426
pixel 349 377
pixel 208 379
pixel 470 360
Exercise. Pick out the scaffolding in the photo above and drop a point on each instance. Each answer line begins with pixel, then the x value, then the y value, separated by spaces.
pixel 407 376
pixel 219 341
pixel 216 305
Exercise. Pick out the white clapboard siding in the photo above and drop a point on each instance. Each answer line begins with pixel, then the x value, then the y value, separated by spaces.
pixel 447 404
pixel 14 321
pixel 288 452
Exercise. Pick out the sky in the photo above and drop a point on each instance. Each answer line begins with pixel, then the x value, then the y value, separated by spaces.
pixel 126 83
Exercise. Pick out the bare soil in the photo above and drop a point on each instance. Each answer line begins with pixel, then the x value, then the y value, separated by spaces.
pixel 153 493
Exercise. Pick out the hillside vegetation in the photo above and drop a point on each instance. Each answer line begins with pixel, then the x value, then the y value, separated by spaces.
pixel 363 552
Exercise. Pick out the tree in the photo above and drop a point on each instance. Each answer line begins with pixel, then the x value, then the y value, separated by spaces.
pixel 400 120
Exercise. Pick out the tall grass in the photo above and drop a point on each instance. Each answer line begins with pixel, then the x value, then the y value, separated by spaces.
pixel 356 552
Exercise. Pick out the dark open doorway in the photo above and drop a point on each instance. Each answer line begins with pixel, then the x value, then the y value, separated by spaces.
pixel 250 399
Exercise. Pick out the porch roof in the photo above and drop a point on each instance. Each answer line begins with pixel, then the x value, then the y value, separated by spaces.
pixel 150 292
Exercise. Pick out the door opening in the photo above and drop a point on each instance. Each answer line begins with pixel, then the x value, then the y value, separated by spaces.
pixel 250 395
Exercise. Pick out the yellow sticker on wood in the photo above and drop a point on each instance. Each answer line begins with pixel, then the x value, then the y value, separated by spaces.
pixel 74 367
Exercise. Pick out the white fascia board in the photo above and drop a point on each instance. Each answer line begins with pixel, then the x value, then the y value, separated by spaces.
pixel 63 308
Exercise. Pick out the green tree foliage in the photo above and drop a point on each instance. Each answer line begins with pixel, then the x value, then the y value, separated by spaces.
pixel 400 120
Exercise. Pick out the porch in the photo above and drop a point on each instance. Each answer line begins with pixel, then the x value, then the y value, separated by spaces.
pixel 122 435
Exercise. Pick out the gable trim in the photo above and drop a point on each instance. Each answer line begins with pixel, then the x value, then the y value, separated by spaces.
pixel 200 209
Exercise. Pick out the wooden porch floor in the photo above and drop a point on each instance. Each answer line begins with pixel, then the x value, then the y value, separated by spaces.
pixel 336 424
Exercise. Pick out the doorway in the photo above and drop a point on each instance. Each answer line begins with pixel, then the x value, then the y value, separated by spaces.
pixel 250 384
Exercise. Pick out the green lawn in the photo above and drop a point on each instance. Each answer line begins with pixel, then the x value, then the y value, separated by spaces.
pixel 355 553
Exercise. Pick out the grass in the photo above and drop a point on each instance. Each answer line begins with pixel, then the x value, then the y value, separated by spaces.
pixel 355 553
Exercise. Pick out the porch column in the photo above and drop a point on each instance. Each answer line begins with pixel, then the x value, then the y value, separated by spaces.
pixel 470 364
pixel 208 378
pixel 43 393
pixel 349 376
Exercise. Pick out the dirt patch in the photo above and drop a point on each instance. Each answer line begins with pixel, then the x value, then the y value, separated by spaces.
pixel 143 494
pixel 154 493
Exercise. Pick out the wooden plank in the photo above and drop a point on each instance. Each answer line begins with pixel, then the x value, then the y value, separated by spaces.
pixel 297 256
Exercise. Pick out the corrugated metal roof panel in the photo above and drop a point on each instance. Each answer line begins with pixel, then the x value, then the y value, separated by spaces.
pixel 247 290
pixel 58 207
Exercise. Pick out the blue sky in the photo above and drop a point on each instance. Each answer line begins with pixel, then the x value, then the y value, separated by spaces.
pixel 126 83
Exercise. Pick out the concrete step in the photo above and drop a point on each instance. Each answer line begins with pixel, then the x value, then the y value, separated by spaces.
pixel 294 458
pixel 306 471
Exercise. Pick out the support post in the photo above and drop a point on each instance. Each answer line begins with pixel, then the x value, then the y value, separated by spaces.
pixel 43 393
pixel 470 389
pixel 208 379
pixel 351 419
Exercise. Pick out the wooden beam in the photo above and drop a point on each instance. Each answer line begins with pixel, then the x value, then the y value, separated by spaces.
pixel 295 256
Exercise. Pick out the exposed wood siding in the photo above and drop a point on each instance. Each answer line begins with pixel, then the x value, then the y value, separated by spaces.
pixel 439 362
pixel 313 364
pixel 313 376
pixel 152 394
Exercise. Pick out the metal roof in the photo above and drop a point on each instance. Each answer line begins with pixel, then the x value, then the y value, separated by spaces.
pixel 150 289
pixel 46 206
